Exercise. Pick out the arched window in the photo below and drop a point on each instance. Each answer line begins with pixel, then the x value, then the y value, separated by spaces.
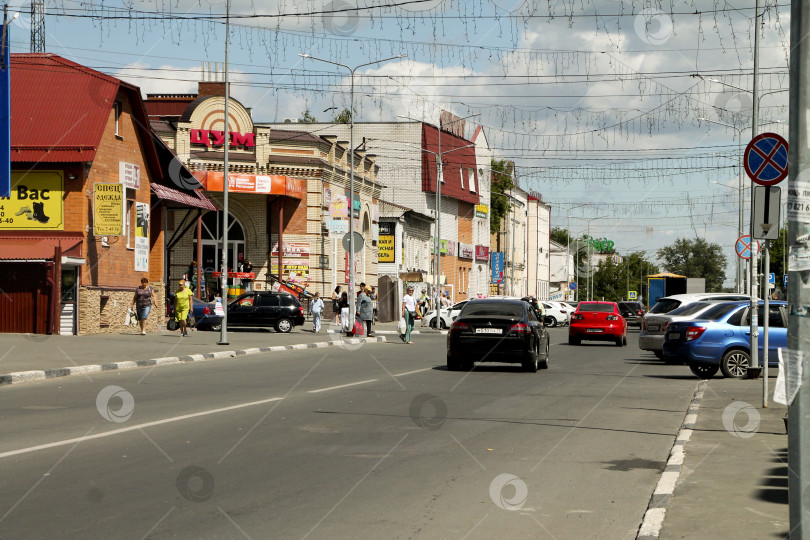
pixel 212 228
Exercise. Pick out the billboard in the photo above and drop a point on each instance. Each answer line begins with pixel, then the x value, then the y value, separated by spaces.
pixel 35 202
pixel 497 266
pixel 108 209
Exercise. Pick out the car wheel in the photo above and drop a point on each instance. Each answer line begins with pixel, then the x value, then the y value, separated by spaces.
pixel 452 364
pixel 551 321
pixel 284 326
pixel 735 364
pixel 703 371
pixel 530 363
pixel 432 323
pixel 624 340
pixel 544 363
pixel 619 341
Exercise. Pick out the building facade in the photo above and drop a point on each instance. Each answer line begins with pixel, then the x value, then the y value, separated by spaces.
pixel 538 247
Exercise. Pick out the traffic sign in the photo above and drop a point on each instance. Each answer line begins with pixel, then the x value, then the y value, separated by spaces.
pixel 358 241
pixel 785 279
pixel 766 159
pixel 572 286
pixel 766 212
pixel 632 295
pixel 771 278
pixel 743 247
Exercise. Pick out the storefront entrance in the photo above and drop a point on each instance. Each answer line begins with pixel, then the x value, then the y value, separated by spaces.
pixel 212 226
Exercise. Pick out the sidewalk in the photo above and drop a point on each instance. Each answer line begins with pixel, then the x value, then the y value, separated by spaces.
pixel 733 477
pixel 60 355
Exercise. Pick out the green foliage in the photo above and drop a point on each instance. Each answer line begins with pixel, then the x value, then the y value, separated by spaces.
pixel 501 184
pixel 344 117
pixel 612 281
pixel 696 258
pixel 307 118
pixel 560 235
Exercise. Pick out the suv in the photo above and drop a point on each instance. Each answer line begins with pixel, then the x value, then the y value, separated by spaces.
pixel 652 339
pixel 633 312
pixel 280 310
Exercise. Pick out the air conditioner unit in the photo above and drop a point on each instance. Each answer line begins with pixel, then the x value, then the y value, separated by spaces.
pixel 291 120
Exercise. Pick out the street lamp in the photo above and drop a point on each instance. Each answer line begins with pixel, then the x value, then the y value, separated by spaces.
pixel 437 242
pixel 589 290
pixel 351 174
pixel 568 246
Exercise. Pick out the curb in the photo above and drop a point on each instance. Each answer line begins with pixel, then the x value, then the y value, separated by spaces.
pixel 657 508
pixel 40 375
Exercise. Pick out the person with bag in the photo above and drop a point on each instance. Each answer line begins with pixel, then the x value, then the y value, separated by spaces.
pixel 365 309
pixel 142 302
pixel 336 303
pixel 183 302
pixel 315 308
pixel 409 314
pixel 424 305
pixel 346 322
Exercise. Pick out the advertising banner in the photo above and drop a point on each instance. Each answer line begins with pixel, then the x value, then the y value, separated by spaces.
pixel 386 246
pixel 466 251
pixel 108 209
pixel 481 253
pixel 141 237
pixel 481 211
pixel 291 249
pixel 339 207
pixel 497 267
pixel 338 226
pixel 35 202
pixel 129 174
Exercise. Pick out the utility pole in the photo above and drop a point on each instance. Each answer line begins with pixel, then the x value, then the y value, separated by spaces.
pixel 223 333
pixel 754 344
pixel 798 160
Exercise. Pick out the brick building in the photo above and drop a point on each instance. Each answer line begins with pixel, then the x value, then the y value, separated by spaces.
pixel 83 223
pixel 285 187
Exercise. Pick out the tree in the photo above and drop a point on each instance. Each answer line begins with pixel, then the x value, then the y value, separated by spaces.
pixel 560 235
pixel 344 117
pixel 696 258
pixel 612 281
pixel 501 183
pixel 307 118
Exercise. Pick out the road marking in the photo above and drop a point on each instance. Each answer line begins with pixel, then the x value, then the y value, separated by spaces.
pixel 412 372
pixel 133 428
pixel 341 386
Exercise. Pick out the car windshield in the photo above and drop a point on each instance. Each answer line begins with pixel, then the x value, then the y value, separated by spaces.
pixel 596 307
pixel 690 309
pixel 665 306
pixel 492 308
pixel 718 311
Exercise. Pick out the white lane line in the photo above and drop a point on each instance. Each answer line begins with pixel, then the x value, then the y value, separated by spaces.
pixel 412 372
pixel 341 386
pixel 133 428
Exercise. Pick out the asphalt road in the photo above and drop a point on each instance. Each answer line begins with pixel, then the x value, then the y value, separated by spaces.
pixel 377 442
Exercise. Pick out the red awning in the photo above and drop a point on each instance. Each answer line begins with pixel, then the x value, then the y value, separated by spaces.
pixel 197 200
pixel 26 248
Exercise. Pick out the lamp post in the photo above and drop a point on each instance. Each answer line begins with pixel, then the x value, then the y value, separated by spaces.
pixel 223 333
pixel 589 292
pixel 351 174
pixel 439 172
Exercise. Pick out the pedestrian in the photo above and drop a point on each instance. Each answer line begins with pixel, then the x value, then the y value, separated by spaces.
pixel 424 305
pixel 365 309
pixel 374 300
pixel 143 301
pixel 336 304
pixel 446 303
pixel 247 282
pixel 182 306
pixel 315 308
pixel 409 314
pixel 343 308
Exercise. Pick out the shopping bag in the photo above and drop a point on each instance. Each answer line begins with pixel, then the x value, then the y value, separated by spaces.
pixel 358 328
pixel 172 324
pixel 401 325
pixel 128 319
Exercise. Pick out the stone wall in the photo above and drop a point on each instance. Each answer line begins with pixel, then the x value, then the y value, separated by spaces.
pixel 104 311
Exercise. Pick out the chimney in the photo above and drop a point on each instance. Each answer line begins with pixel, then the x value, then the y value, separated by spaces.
pixel 213 80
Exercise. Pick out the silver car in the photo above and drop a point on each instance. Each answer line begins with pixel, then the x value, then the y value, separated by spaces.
pixel 682 307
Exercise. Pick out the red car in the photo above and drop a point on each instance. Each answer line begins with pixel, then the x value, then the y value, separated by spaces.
pixel 598 321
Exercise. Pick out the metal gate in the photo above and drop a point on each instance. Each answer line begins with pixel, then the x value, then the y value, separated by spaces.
pixel 24 295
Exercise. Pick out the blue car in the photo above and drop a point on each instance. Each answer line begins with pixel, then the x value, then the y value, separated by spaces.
pixel 720 339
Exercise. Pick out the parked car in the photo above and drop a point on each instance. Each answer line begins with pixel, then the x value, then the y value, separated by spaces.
pixel 446 316
pixel 280 310
pixel 651 337
pixel 557 313
pixel 599 321
pixel 720 339
pixel 203 312
pixel 633 312
pixel 655 326
pixel 497 330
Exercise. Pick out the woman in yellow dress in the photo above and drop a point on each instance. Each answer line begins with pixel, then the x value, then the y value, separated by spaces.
pixel 182 305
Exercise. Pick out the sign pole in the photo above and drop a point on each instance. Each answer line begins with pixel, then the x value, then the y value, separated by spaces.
pixel 766 316
pixel 223 335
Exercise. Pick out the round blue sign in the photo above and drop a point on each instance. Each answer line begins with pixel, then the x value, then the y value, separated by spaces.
pixel 766 159
pixel 572 286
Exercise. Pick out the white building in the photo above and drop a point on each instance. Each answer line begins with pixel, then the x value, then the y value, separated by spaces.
pixel 562 272
pixel 538 239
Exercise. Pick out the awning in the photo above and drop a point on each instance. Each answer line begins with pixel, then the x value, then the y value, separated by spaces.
pixel 38 248
pixel 259 184
pixel 193 199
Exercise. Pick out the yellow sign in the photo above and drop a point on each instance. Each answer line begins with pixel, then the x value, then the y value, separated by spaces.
pixel 385 246
pixel 481 210
pixel 108 209
pixel 35 202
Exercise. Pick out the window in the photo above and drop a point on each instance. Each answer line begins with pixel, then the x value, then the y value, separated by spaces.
pixel 461 175
pixel 471 179
pixel 129 230
pixel 117 112
pixel 246 301
pixel 266 300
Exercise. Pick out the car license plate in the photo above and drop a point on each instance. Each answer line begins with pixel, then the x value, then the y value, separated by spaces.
pixel 673 335
pixel 488 331
pixel 593 330
pixel 653 327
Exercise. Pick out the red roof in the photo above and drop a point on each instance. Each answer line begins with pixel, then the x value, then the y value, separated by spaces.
pixel 194 199
pixel 28 246
pixel 59 110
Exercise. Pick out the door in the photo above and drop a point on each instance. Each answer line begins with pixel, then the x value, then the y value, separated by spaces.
pixel 242 311
pixel 268 310
pixel 25 298
pixel 777 331
pixel 67 315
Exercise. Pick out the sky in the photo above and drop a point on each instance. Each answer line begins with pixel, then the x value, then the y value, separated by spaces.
pixel 628 117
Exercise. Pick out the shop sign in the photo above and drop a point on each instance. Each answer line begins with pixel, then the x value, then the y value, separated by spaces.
pixel 338 226
pixel 497 267
pixel 481 211
pixel 141 237
pixel 35 202
pixel 108 209
pixel 339 207
pixel 466 251
pixel 211 137
pixel 292 249
pixel 129 174
pixel 357 205
pixel 451 247
pixel 275 184
pixel 293 273
pixel 387 228
pixel 327 197
pixel 481 253
pixel 386 246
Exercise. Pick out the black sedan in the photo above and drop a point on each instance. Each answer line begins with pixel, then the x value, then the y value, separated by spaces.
pixel 497 330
